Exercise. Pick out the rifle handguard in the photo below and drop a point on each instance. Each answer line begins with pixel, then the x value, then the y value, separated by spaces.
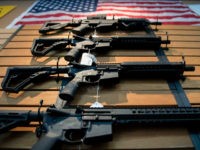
pixel 139 21
pixel 189 68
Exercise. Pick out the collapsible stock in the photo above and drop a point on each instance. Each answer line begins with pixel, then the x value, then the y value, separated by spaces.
pixel 43 46
pixel 17 78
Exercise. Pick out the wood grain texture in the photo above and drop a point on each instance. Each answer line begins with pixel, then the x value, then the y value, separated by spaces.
pixel 6 31
pixel 5 36
pixel 171 52
pixel 135 92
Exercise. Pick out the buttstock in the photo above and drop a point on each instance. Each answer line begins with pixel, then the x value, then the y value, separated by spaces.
pixel 11 119
pixel 17 78
pixel 41 47
pixel 48 27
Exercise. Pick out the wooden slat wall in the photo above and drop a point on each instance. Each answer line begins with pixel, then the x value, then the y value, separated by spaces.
pixel 5 35
pixel 184 42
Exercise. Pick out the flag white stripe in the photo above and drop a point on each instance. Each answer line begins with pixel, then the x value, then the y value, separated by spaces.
pixel 143 9
pixel 167 14
pixel 144 1
pixel 167 11
pixel 12 24
pixel 142 5
pixel 181 19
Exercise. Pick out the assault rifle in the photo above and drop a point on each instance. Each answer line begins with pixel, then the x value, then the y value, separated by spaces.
pixel 76 125
pixel 77 45
pixel 100 24
pixel 18 78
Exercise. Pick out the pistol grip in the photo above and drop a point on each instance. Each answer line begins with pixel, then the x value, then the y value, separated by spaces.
pixel 69 90
pixel 47 142
pixel 80 30
pixel 73 54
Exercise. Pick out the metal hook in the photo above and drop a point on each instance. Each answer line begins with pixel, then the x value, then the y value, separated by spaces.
pixel 167 40
pixel 113 17
pixel 156 29
pixel 183 58
pixel 57 65
pixel 39 112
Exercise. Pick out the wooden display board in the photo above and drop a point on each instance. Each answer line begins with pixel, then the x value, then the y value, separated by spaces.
pixel 147 92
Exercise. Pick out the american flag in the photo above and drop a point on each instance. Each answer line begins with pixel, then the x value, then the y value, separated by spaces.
pixel 166 11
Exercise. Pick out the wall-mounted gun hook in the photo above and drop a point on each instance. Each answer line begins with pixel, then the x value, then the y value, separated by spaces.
pixel 166 46
pixel 156 27
pixel 57 65
pixel 39 129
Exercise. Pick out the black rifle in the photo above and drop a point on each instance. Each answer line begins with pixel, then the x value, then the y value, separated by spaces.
pixel 76 125
pixel 100 24
pixel 19 77
pixel 41 47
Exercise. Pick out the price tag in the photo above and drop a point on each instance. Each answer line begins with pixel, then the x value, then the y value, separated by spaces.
pixel 88 59
pixel 96 105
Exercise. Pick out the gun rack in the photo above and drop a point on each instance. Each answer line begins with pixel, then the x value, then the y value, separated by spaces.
pixel 184 42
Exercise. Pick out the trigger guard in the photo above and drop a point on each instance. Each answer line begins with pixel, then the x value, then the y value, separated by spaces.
pixel 86 79
pixel 69 139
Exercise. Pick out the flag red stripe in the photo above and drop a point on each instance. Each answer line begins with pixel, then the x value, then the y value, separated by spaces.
pixel 166 23
pixel 144 10
pixel 169 12
pixel 182 23
pixel 116 14
pixel 79 15
pixel 137 6
pixel 142 2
